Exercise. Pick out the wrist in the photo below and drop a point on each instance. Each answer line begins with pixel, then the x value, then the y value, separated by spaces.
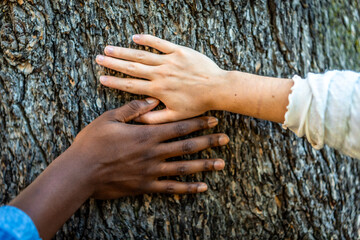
pixel 223 91
pixel 79 168
pixel 55 194
pixel 253 95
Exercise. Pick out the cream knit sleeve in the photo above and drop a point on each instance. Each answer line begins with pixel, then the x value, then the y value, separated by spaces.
pixel 326 108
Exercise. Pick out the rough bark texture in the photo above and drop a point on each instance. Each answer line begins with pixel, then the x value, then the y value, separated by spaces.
pixel 274 184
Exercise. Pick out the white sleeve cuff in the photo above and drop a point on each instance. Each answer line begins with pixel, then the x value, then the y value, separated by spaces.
pixel 299 103
pixel 326 108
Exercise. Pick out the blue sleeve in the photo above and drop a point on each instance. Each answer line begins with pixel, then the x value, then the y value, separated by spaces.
pixel 16 225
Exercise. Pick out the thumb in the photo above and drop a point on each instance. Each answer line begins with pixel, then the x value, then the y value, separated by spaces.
pixel 134 109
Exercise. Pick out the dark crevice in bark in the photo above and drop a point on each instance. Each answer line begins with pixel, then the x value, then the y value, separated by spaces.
pixel 273 9
pixel 30 132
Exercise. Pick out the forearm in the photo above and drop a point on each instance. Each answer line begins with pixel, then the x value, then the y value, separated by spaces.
pixel 55 195
pixel 253 95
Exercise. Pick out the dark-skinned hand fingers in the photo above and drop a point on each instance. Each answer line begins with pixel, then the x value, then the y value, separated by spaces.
pixel 133 109
pixel 134 55
pixel 175 187
pixel 155 42
pixel 192 145
pixel 182 128
pixel 131 85
pixel 130 68
pixel 188 167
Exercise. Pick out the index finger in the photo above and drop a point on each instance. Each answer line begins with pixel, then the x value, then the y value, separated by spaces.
pixel 134 55
pixel 154 42
pixel 182 128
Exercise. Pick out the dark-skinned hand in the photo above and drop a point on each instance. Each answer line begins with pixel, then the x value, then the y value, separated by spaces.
pixel 127 159
pixel 111 158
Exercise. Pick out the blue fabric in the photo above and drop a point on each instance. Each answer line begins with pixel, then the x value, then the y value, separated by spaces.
pixel 16 225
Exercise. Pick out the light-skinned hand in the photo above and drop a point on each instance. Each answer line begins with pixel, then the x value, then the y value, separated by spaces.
pixel 182 78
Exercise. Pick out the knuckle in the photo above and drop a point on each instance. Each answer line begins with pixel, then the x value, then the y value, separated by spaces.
pixel 182 170
pixel 162 170
pixel 135 105
pixel 131 67
pixel 181 51
pixel 170 188
pixel 129 85
pixel 181 128
pixel 207 166
pixel 170 60
pixel 191 188
pixel 161 71
pixel 140 186
pixel 188 146
pixel 169 74
pixel 145 135
pixel 202 123
pixel 152 170
pixel 121 116
pixel 164 72
pixel 211 141
pixel 138 189
pixel 139 56
pixel 157 88
pixel 145 170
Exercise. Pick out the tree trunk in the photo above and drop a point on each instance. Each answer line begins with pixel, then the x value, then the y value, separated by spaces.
pixel 274 184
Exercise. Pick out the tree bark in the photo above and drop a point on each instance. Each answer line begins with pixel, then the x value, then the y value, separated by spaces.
pixel 274 186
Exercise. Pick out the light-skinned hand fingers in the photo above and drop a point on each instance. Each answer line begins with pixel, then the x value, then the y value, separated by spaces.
pixel 160 116
pixel 131 85
pixel 175 187
pixel 192 145
pixel 177 129
pixel 188 167
pixel 155 42
pixel 134 55
pixel 130 68
pixel 133 109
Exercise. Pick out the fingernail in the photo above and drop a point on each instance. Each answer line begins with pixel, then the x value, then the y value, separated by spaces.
pixel 100 58
pixel 103 79
pixel 224 140
pixel 219 164
pixel 212 122
pixel 202 187
pixel 136 37
pixel 109 49
pixel 151 100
